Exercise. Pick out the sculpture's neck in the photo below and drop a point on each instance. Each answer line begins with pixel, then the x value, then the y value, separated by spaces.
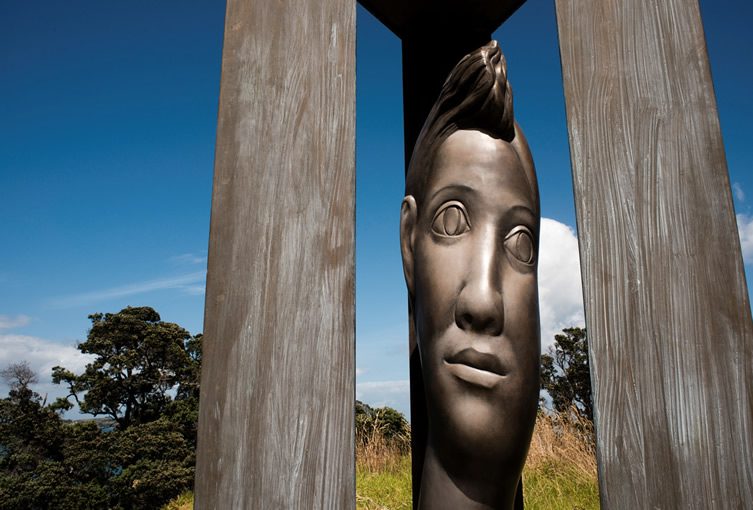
pixel 475 491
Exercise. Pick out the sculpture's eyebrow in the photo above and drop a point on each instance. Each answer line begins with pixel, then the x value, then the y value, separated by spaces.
pixel 452 189
pixel 520 212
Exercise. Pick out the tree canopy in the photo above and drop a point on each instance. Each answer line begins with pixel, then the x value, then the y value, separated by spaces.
pixel 145 379
pixel 143 385
pixel 139 361
pixel 565 372
pixel 383 422
pixel 18 375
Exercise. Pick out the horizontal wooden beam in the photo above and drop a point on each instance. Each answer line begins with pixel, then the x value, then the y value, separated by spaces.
pixel 435 36
pixel 445 18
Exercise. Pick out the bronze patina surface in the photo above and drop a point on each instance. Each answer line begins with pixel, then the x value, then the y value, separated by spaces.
pixel 469 229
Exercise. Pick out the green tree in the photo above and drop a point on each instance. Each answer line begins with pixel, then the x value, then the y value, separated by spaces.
pixel 155 463
pixel 183 411
pixel 19 375
pixel 31 441
pixel 565 373
pixel 145 377
pixel 138 360
pixel 385 422
pixel 87 460
pixel 38 467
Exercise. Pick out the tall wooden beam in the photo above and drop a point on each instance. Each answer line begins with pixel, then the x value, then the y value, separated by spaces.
pixel 666 302
pixel 276 427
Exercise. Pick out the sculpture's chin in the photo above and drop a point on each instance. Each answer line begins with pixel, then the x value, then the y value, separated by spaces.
pixel 494 435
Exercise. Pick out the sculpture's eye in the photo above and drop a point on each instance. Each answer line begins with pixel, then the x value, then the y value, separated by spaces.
pixel 451 220
pixel 519 243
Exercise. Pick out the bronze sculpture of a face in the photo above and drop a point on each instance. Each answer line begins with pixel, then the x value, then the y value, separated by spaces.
pixel 469 239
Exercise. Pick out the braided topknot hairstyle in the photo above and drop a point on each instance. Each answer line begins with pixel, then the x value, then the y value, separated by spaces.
pixel 476 96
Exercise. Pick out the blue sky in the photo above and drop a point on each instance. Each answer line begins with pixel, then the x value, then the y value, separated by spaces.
pixel 107 120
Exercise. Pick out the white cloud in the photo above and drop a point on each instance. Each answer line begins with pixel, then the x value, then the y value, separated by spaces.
pixel 560 288
pixel 737 190
pixel 188 258
pixel 186 282
pixel 8 322
pixel 385 386
pixel 745 229
pixel 194 290
pixel 360 371
pixel 42 355
pixel 395 394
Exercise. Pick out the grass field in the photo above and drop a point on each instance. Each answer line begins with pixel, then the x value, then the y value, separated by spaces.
pixel 560 472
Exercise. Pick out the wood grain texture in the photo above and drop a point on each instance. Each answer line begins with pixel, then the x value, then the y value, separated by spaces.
pixel 666 302
pixel 276 427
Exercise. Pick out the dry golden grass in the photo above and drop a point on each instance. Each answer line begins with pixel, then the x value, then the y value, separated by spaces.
pixel 182 502
pixel 560 437
pixel 383 472
pixel 560 473
pixel 375 453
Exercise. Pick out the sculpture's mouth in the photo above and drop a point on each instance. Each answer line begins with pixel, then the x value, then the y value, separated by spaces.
pixel 479 368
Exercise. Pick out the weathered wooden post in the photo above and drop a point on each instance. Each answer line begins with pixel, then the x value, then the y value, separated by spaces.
pixel 276 419
pixel 667 307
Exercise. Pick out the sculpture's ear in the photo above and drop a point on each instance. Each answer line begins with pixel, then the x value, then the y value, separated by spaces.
pixel 408 218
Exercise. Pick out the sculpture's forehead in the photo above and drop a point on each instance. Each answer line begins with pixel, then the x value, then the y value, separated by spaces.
pixel 472 157
pixel 477 147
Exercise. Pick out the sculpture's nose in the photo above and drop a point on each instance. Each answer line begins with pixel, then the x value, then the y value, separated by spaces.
pixel 480 306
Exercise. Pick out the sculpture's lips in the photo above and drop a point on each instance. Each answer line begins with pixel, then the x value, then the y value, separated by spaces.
pixel 478 360
pixel 476 367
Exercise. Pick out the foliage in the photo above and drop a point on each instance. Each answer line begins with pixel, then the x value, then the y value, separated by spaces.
pixel 32 440
pixel 18 375
pixel 139 358
pixel 87 463
pixel 565 372
pixel 155 463
pixel 383 423
pixel 183 410
pixel 46 463
pixel 182 502
pixel 141 463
